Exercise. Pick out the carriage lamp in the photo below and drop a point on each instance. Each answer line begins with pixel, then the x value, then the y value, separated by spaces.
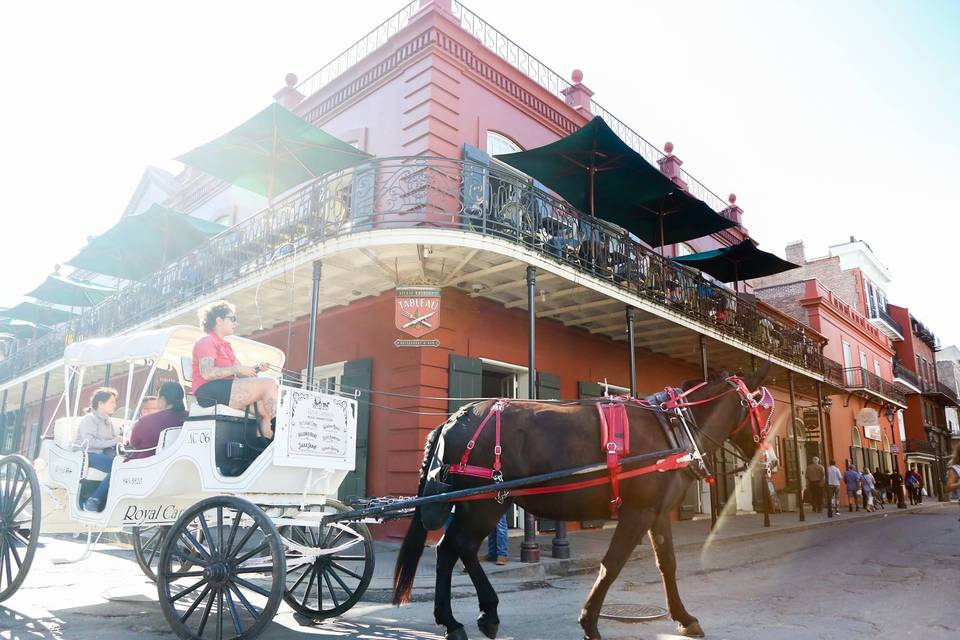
pixel 890 412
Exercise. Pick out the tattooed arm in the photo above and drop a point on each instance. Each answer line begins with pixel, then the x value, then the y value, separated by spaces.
pixel 210 372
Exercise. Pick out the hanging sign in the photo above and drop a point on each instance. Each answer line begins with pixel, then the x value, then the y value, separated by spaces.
pixel 417 311
pixel 869 419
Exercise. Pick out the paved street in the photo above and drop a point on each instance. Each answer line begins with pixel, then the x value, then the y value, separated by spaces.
pixel 858 578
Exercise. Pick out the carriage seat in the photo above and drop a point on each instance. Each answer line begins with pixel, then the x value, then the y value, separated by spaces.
pixel 217 410
pixel 168 437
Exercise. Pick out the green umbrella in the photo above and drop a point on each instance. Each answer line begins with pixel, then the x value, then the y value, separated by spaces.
pixel 138 245
pixel 597 172
pixel 22 328
pixel 69 293
pixel 273 151
pixel 37 313
pixel 740 262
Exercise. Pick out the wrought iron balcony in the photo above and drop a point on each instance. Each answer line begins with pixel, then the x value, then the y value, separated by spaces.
pixel 431 193
pixel 881 313
pixel 860 378
pixel 900 371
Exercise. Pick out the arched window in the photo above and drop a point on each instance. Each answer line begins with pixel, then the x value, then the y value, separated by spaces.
pixel 856 451
pixel 684 249
pixel 498 143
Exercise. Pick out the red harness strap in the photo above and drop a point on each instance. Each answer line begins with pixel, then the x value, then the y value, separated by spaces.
pixel 482 472
pixel 676 461
pixel 615 440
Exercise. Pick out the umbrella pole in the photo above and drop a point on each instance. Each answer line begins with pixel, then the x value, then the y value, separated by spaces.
pixel 663 259
pixel 273 162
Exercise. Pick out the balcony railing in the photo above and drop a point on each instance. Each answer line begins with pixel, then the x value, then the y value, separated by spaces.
pixel 860 378
pixel 421 192
pixel 900 371
pixel 880 313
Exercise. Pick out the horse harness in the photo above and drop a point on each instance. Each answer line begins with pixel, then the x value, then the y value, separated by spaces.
pixel 672 410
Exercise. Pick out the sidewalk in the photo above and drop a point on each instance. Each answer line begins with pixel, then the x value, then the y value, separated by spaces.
pixel 588 547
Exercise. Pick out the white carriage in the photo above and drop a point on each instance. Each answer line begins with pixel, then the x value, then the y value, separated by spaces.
pixel 227 523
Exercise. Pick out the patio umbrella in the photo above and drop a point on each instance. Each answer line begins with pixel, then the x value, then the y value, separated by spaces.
pixel 22 328
pixel 138 245
pixel 37 313
pixel 273 151
pixel 69 293
pixel 597 172
pixel 740 262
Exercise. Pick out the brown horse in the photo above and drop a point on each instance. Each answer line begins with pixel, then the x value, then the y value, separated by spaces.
pixel 540 437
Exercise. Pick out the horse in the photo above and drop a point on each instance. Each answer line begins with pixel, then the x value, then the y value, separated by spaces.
pixel 541 437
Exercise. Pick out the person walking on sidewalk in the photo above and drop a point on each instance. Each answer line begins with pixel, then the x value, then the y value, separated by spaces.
pixel 883 481
pixel 815 478
pixel 852 479
pixel 834 477
pixel 953 475
pixel 912 481
pixel 497 543
pixel 896 488
pixel 869 484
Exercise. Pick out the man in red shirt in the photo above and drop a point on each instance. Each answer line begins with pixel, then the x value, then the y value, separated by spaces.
pixel 217 376
pixel 146 431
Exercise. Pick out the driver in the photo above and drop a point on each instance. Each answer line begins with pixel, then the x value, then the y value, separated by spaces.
pixel 218 378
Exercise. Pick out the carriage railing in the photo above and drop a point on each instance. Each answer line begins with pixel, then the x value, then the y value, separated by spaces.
pixel 424 192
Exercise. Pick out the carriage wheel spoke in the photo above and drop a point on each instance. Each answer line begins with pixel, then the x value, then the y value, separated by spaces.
pixel 333 594
pixel 16 554
pixel 306 596
pixel 16 500
pixel 336 576
pixel 195 604
pixel 23 506
pixel 3 552
pixel 219 614
pixel 185 574
pixel 6 560
pixel 310 570
pixel 206 613
pixel 154 548
pixel 191 541
pixel 206 535
pixel 234 615
pixel 343 569
pixel 349 558
pixel 190 589
pixel 263 547
pixel 234 527
pixel 253 587
pixel 246 603
pixel 249 534
pixel 220 529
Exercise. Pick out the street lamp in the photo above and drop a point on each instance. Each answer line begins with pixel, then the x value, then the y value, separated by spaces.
pixel 891 413
pixel 826 402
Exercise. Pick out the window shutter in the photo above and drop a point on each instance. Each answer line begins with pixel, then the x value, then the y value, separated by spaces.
pixel 465 380
pixel 548 386
pixel 589 389
pixel 358 374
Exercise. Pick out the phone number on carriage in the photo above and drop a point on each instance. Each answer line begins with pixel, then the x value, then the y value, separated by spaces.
pixel 140 515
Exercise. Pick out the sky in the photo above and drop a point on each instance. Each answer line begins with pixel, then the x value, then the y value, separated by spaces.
pixel 827 119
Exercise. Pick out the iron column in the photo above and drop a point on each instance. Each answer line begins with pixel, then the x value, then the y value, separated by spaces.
pixel 312 335
pixel 43 404
pixel 530 549
pixel 796 445
pixel 631 340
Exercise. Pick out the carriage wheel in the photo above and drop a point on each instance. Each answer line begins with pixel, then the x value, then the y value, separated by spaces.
pixel 19 522
pixel 147 544
pixel 235 582
pixel 328 585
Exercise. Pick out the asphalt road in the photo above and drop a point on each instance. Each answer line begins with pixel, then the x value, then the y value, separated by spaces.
pixel 892 577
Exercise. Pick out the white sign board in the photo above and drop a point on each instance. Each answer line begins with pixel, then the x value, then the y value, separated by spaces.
pixel 315 429
pixel 871 431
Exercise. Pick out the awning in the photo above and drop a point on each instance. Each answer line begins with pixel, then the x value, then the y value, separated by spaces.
pixel 740 262
pixel 598 173
pixel 37 313
pixel 273 151
pixel 22 328
pixel 69 293
pixel 138 245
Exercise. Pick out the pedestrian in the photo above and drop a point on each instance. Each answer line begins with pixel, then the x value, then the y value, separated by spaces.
pixel 497 543
pixel 869 484
pixel 882 482
pixel 912 482
pixel 834 477
pixel 896 488
pixel 851 478
pixel 815 478
pixel 953 475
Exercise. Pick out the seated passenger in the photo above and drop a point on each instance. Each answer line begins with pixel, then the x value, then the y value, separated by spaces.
pixel 96 433
pixel 148 406
pixel 218 378
pixel 146 431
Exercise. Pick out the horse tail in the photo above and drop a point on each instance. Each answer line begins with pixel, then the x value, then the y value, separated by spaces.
pixel 416 539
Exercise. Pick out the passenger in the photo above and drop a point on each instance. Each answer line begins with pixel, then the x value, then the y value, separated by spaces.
pixel 148 406
pixel 218 378
pixel 146 431
pixel 96 433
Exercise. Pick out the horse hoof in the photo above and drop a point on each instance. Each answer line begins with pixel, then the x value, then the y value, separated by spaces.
pixel 456 634
pixel 691 630
pixel 488 625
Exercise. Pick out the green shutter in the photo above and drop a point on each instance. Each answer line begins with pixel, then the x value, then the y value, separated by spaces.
pixel 358 374
pixel 589 389
pixel 466 378
pixel 548 386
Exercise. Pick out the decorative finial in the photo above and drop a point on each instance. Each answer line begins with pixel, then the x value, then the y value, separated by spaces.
pixel 732 198
pixel 577 76
pixel 290 79
pixel 668 148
